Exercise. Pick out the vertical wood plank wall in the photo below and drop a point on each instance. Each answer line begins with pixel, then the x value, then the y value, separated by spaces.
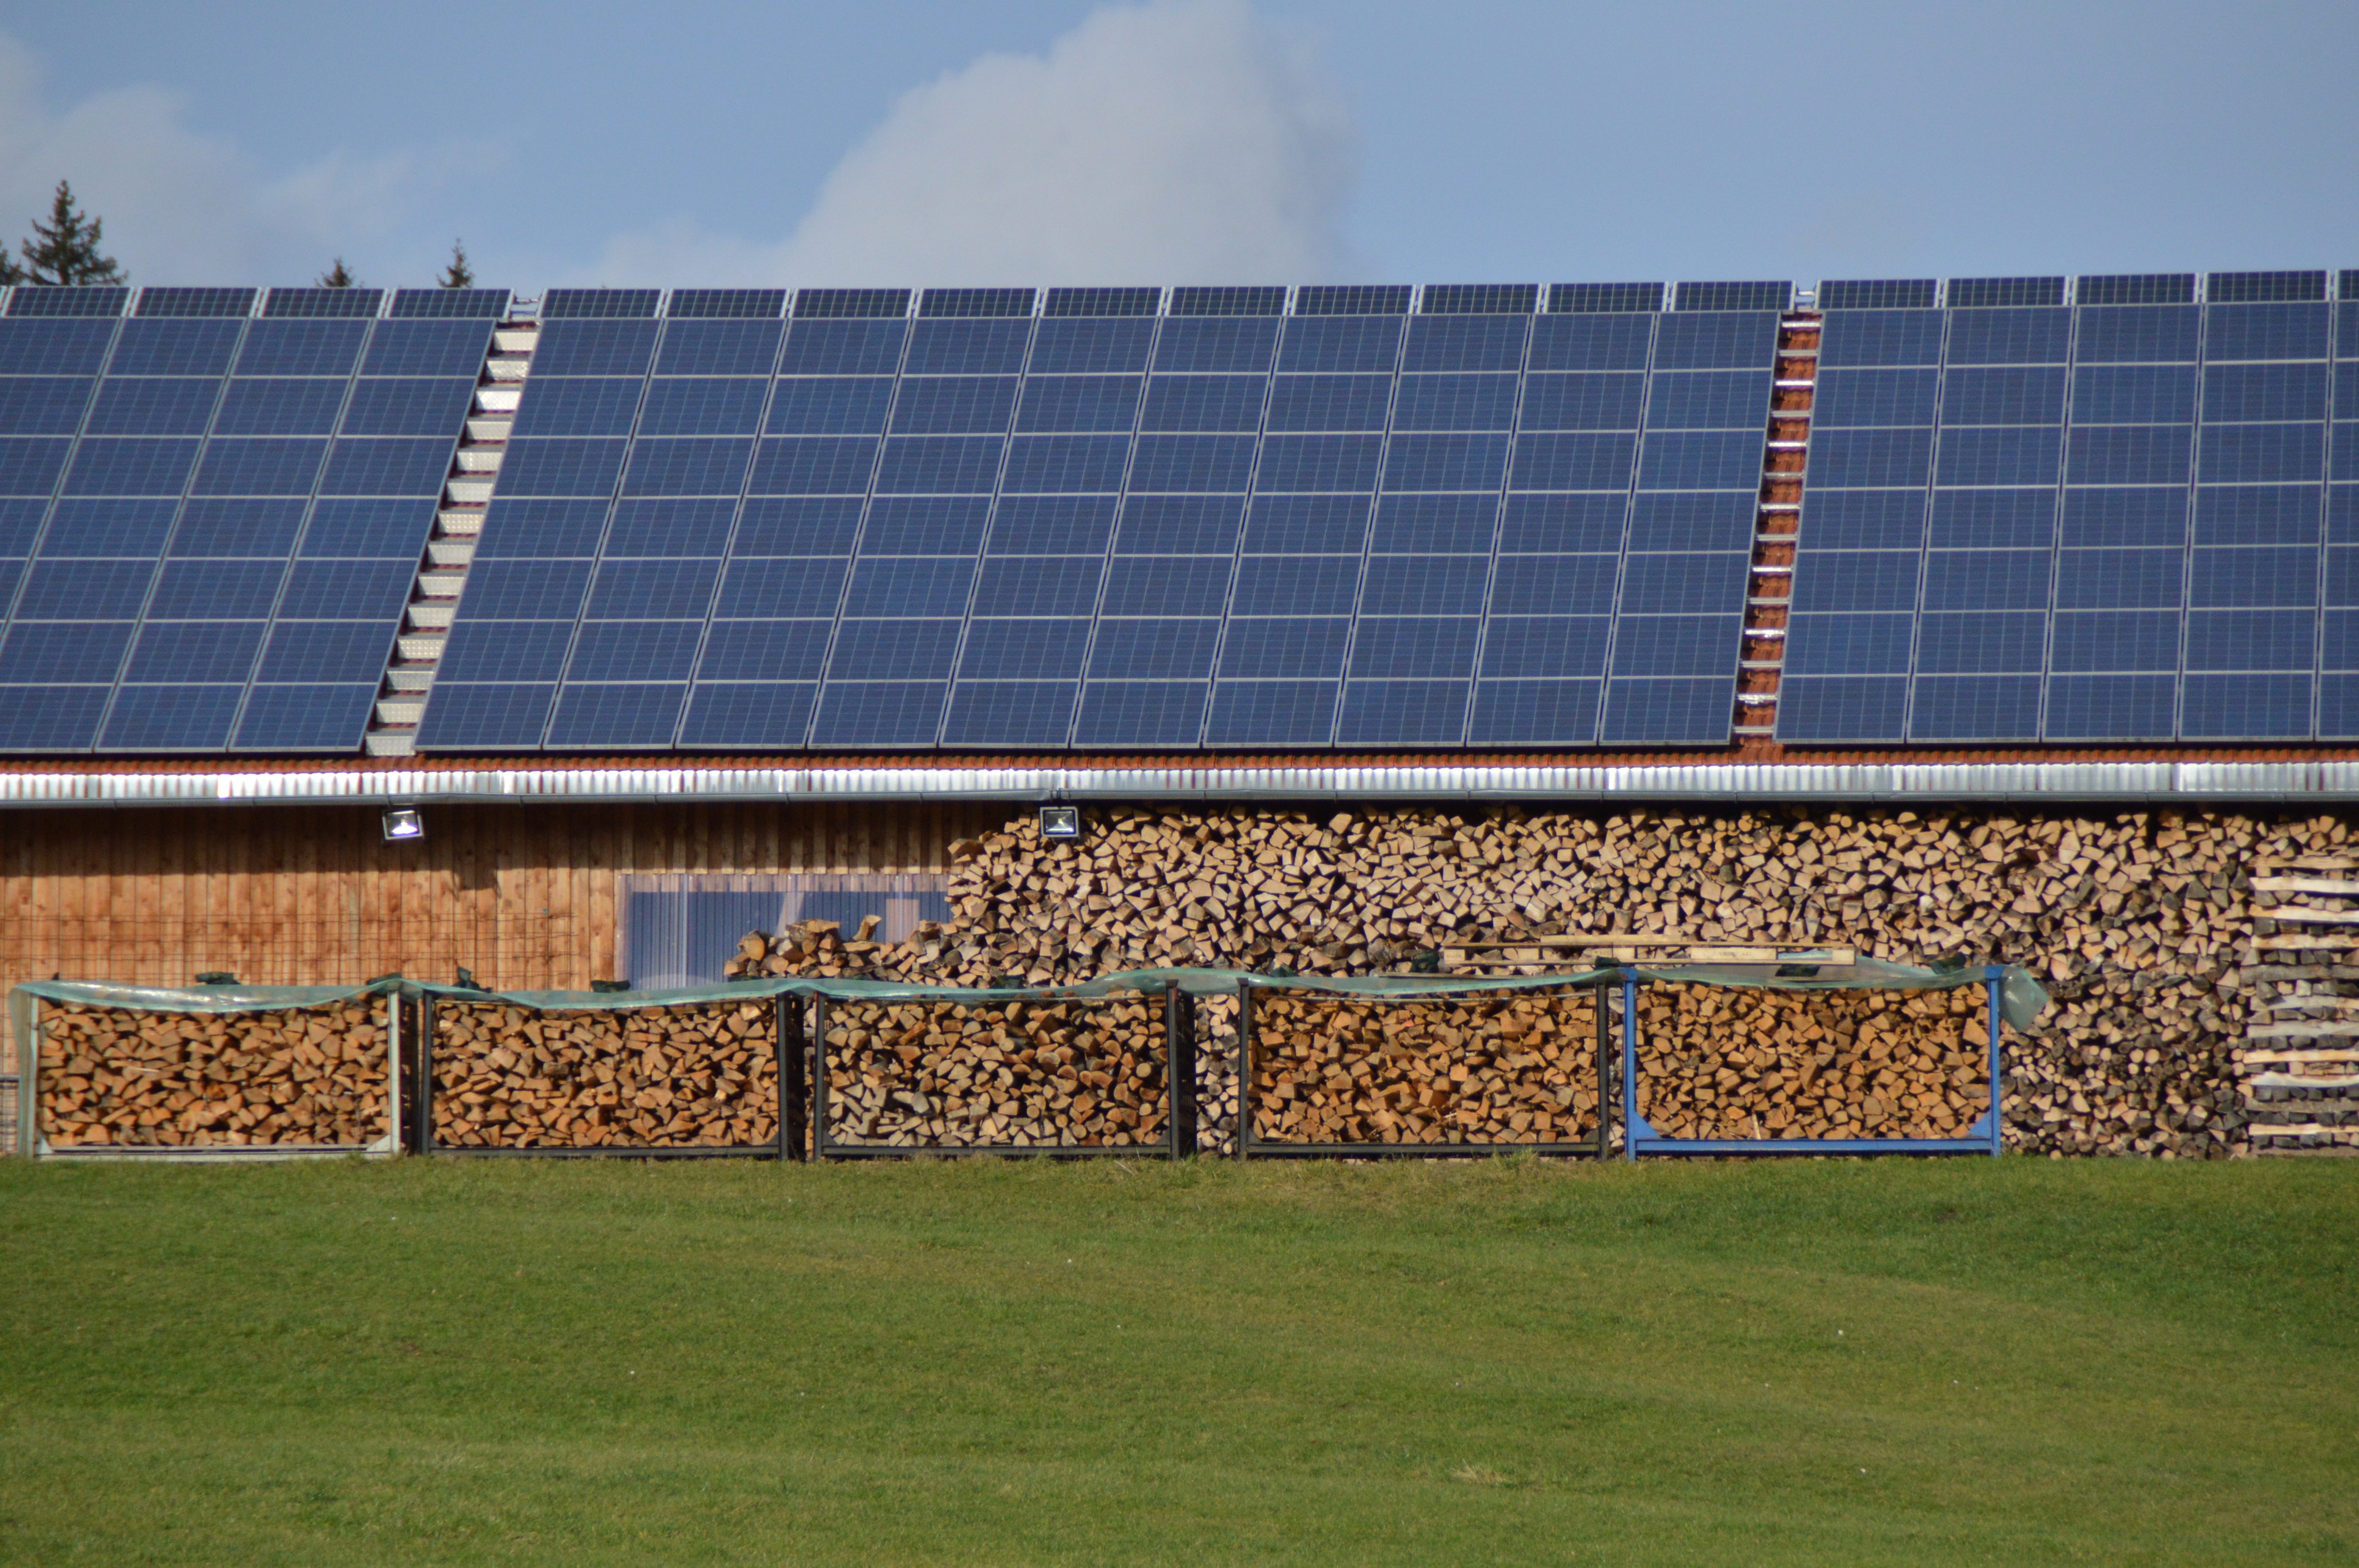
pixel 522 895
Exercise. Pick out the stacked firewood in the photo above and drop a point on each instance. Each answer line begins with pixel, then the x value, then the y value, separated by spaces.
pixel 1022 1075
pixel 113 1076
pixel 1503 1068
pixel 672 1077
pixel 2140 922
pixel 1717 1061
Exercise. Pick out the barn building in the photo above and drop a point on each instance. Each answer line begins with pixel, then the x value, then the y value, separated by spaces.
pixel 564 640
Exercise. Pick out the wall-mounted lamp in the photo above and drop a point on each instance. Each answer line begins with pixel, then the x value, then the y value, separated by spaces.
pixel 1061 824
pixel 403 822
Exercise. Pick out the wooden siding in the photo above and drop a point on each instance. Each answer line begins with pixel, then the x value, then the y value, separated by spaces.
pixel 522 895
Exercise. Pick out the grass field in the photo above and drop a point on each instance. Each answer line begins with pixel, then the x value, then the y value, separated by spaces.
pixel 1971 1361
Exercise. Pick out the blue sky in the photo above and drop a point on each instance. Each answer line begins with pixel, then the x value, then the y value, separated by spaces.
pixel 1186 140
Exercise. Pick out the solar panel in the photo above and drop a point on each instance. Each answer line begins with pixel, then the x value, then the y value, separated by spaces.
pixel 758 304
pixel 2103 524
pixel 1732 296
pixel 563 303
pixel 1479 298
pixel 232 515
pixel 195 302
pixel 31 300
pixel 447 304
pixel 1351 526
pixel 840 302
pixel 1877 294
pixel 343 302
pixel 1584 298
pixel 976 302
pixel 1103 301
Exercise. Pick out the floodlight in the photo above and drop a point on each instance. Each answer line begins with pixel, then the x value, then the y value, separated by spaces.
pixel 403 822
pixel 1060 823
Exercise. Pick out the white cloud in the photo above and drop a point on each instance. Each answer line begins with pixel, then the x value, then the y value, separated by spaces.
pixel 179 206
pixel 1183 141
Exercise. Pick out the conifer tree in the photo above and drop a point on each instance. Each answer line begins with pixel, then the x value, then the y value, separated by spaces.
pixel 339 277
pixel 63 252
pixel 458 274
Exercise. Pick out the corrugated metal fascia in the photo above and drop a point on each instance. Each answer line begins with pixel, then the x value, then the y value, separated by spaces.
pixel 1853 782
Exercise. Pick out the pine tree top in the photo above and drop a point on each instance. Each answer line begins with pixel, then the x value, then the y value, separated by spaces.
pixel 63 252
pixel 458 274
pixel 339 277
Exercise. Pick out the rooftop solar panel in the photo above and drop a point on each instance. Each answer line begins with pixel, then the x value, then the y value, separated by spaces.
pixel 976 302
pixel 1877 294
pixel 1989 292
pixel 31 300
pixel 2135 288
pixel 560 303
pixel 195 302
pixel 1255 301
pixel 836 302
pixel 359 302
pixel 1593 297
pixel 1733 296
pixel 759 304
pixel 2225 287
pixel 2094 525
pixel 449 303
pixel 228 560
pixel 1103 301
pixel 1479 298
pixel 998 533
pixel 1351 299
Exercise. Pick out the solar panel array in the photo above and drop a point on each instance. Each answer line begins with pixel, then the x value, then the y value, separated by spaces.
pixel 2130 517
pixel 1219 517
pixel 212 507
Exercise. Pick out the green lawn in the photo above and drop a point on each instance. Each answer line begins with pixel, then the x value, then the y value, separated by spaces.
pixel 1966 1361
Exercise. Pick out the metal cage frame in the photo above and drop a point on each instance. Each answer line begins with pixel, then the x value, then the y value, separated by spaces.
pixel 789 1099
pixel 1639 1140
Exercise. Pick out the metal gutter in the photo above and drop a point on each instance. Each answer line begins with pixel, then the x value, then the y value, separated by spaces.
pixel 2128 783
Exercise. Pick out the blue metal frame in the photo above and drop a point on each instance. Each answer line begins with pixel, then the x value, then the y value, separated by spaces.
pixel 1638 1138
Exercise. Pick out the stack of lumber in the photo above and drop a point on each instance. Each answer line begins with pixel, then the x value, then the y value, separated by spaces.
pixel 998 1074
pixel 670 1077
pixel 1507 1068
pixel 113 1077
pixel 2140 922
pixel 1717 1061
pixel 2299 1065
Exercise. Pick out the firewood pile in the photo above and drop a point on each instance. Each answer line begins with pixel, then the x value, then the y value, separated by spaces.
pixel 2141 923
pixel 121 1077
pixel 1724 1063
pixel 672 1077
pixel 1495 1068
pixel 1023 1074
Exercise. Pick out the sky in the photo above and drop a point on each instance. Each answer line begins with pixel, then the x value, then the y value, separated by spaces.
pixel 934 142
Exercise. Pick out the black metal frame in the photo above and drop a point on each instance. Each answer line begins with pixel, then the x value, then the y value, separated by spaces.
pixel 1180 1046
pixel 790 1094
pixel 1249 1146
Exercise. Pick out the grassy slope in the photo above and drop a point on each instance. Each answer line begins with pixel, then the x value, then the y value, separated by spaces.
pixel 1969 1361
